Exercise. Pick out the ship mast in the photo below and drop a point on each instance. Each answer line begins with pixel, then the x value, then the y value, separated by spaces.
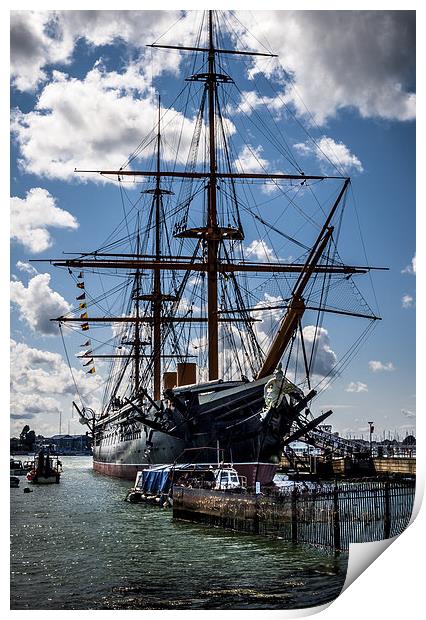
pixel 156 302
pixel 137 342
pixel 157 296
pixel 212 236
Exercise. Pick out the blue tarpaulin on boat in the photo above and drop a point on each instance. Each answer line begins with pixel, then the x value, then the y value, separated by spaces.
pixel 155 481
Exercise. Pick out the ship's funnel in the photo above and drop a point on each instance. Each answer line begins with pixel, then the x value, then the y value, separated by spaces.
pixel 169 380
pixel 186 373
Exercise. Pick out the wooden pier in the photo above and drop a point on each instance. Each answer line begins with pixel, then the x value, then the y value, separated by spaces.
pixel 349 467
pixel 330 516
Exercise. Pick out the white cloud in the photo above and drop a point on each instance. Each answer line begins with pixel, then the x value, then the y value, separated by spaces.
pixel 357 386
pixel 371 68
pixel 38 303
pixel 28 405
pixel 250 159
pixel 411 268
pixel 325 359
pixel 407 301
pixel 377 366
pixel 408 414
pixel 32 216
pixel 41 385
pixel 40 39
pixel 26 268
pixel 93 123
pixel 250 100
pixel 260 250
pixel 326 150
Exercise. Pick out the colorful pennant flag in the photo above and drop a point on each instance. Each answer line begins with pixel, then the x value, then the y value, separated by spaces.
pixel 85 326
pixel 82 306
pixel 84 315
pixel 89 362
pixel 80 275
pixel 80 284
pixel 91 371
pixel 80 297
pixel 86 344
pixel 85 353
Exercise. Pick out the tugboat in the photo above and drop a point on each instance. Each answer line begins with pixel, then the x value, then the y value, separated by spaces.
pixel 47 469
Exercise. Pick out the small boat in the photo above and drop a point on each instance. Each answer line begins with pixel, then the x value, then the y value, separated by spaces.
pixel 14 482
pixel 16 467
pixel 155 484
pixel 47 469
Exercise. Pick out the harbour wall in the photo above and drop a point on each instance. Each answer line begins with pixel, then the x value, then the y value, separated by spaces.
pixel 326 516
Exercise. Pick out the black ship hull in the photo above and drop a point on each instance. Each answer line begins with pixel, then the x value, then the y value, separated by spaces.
pixel 204 424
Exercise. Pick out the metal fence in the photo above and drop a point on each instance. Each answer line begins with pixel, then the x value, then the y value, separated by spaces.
pixel 329 516
pixel 337 515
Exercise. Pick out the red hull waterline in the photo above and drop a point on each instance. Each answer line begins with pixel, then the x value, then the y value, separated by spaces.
pixel 254 472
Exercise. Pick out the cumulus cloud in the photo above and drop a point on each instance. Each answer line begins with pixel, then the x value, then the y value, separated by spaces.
pixel 40 39
pixel 250 159
pixel 325 359
pixel 371 68
pixel 38 303
pixel 260 250
pixel 357 386
pixel 250 101
pixel 407 301
pixel 326 150
pixel 408 414
pixel 31 217
pixel 26 268
pixel 93 122
pixel 41 383
pixel 411 268
pixel 377 366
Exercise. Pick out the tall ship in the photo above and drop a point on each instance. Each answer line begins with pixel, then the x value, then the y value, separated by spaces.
pixel 216 282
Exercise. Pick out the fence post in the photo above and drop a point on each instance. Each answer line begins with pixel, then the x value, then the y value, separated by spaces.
pixel 256 519
pixel 387 515
pixel 336 518
pixel 294 515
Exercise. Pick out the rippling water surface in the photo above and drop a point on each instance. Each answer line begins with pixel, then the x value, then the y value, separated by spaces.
pixel 78 545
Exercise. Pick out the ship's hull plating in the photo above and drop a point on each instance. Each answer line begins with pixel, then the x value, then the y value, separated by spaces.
pixel 260 472
pixel 231 421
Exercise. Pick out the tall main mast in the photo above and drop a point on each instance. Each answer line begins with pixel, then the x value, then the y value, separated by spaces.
pixel 212 236
pixel 137 341
pixel 156 302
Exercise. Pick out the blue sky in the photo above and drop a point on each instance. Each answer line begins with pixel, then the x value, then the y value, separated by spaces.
pixel 81 97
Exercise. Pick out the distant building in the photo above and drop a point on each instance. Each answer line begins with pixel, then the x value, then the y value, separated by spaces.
pixel 67 444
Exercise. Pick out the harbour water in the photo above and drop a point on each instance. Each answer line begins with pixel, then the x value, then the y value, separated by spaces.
pixel 79 545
